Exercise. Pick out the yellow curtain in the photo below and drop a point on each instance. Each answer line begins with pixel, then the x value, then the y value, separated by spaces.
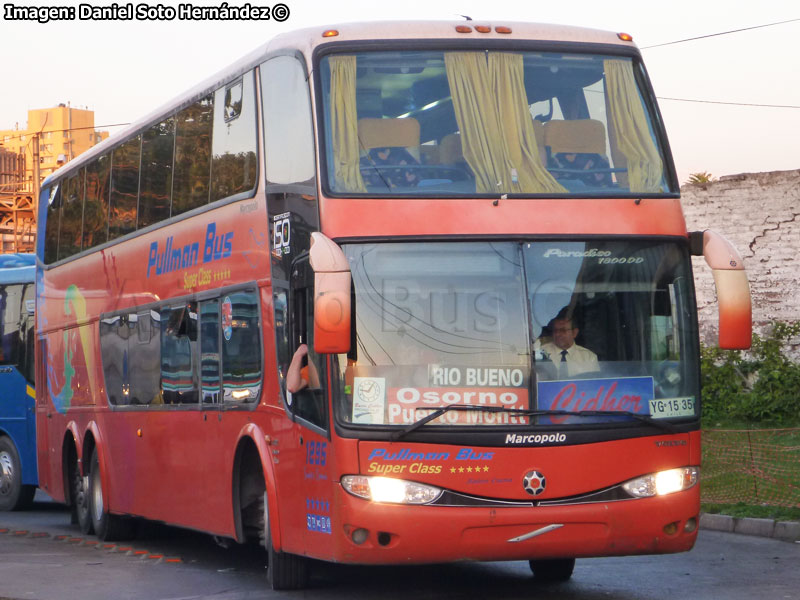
pixel 468 76
pixel 344 125
pixel 519 138
pixel 497 135
pixel 631 131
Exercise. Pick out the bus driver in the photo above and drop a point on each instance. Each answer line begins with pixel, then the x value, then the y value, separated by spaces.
pixel 570 358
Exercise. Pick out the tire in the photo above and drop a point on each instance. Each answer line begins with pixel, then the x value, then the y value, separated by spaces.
pixel 552 571
pixel 107 527
pixel 13 495
pixel 284 571
pixel 80 500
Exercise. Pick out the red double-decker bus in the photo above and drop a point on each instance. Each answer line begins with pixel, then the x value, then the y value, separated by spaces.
pixel 386 293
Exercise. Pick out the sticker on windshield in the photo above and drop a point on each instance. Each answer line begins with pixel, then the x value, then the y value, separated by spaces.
pixel 668 408
pixel 404 394
pixel 369 400
pixel 622 394
pixel 501 389
pixel 409 404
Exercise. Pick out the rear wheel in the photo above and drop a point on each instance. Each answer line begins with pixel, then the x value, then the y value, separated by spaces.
pixel 284 571
pixel 13 495
pixel 80 499
pixel 552 571
pixel 108 527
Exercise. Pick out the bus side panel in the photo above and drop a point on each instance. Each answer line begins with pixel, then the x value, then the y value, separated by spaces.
pixel 162 464
pixel 118 450
pixel 169 463
pixel 30 473
pixel 50 419
pixel 41 426
pixel 16 419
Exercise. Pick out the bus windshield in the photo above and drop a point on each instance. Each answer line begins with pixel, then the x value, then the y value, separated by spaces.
pixel 464 123
pixel 579 330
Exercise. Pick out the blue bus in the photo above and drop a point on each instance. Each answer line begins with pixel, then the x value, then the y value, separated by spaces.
pixel 18 472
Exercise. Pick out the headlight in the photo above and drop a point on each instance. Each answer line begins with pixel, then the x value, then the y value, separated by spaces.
pixel 663 482
pixel 390 490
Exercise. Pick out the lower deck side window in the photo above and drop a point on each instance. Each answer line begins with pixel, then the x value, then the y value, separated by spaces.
pixel 185 354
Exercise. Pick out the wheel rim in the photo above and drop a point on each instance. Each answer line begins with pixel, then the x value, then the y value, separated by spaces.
pixel 6 473
pixel 97 498
pixel 81 485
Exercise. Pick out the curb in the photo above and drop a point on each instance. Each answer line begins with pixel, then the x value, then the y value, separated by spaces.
pixel 787 531
pixel 144 555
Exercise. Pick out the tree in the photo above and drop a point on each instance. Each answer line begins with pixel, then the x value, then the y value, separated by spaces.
pixel 700 178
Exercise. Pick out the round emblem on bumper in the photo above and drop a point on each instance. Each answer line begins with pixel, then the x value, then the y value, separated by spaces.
pixel 534 483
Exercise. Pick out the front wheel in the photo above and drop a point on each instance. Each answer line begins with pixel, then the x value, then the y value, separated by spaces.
pixel 284 571
pixel 13 495
pixel 552 571
pixel 108 527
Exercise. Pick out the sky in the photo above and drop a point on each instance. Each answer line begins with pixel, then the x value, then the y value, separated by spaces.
pixel 124 69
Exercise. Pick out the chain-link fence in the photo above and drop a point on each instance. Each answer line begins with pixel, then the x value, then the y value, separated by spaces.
pixel 751 466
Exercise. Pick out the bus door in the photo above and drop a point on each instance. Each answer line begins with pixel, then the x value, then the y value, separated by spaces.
pixel 309 408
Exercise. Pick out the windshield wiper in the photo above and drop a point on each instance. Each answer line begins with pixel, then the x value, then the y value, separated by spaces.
pixel 611 413
pixel 647 419
pixel 440 411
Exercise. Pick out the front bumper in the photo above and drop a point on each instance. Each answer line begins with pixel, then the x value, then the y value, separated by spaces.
pixel 405 534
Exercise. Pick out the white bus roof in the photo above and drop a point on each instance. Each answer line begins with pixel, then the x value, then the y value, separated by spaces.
pixel 309 38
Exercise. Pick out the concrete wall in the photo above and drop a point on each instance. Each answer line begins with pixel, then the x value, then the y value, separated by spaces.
pixel 760 214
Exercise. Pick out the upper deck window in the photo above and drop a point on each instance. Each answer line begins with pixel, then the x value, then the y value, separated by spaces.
pixel 192 156
pixel 488 122
pixel 155 178
pixel 182 161
pixel 233 140
pixel 125 160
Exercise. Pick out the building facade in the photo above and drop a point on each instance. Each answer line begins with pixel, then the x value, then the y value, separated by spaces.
pixel 63 133
pixel 17 202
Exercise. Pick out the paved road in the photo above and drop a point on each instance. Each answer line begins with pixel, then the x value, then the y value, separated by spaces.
pixel 40 565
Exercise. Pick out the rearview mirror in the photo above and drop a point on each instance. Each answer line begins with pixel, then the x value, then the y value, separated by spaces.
pixel 733 289
pixel 331 296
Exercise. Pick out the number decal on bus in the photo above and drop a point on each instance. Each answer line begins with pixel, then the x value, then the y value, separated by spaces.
pixel 316 453
pixel 281 234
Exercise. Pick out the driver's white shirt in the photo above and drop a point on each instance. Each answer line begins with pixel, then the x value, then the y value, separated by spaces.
pixel 579 359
